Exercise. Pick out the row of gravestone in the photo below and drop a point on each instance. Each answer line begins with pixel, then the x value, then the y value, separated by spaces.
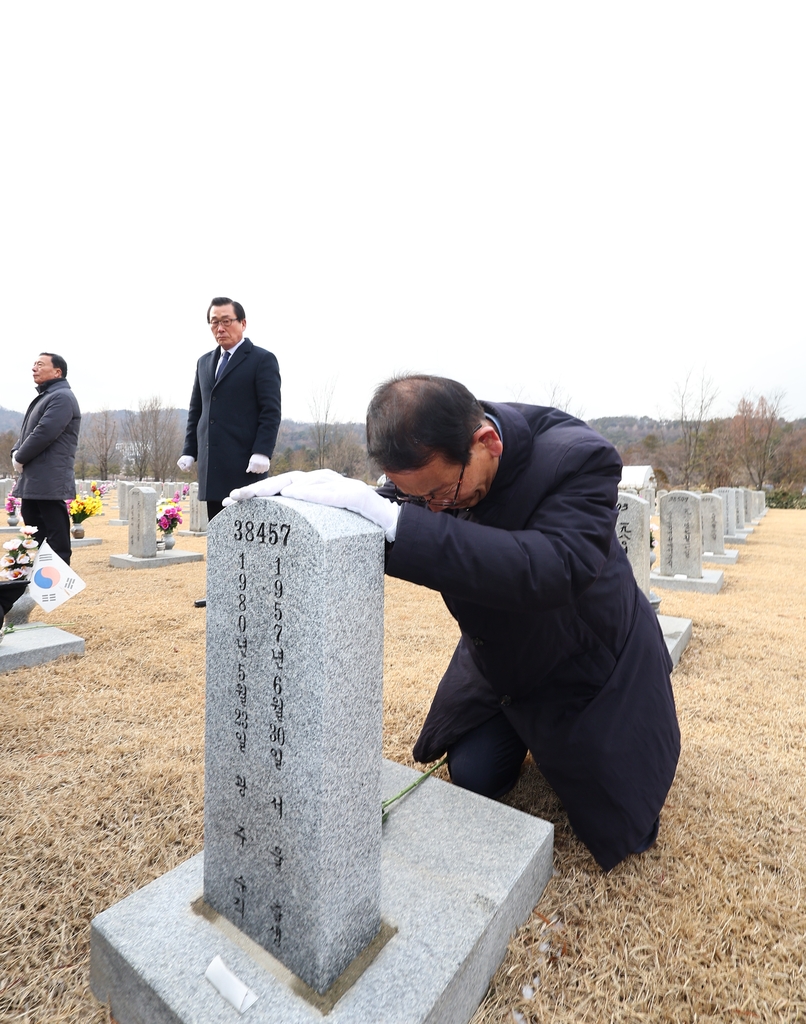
pixel 692 527
pixel 198 511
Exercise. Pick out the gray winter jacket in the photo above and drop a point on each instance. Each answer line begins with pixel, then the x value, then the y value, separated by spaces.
pixel 47 444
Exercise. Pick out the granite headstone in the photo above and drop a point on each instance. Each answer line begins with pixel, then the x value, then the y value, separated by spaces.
pixel 632 530
pixel 713 529
pixel 292 830
pixel 142 522
pixel 680 535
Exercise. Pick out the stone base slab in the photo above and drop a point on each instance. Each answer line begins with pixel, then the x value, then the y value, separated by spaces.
pixel 734 538
pixel 710 583
pixel 118 522
pixel 192 533
pixel 676 633
pixel 84 542
pixel 11 529
pixel 725 558
pixel 460 874
pixel 161 559
pixel 36 645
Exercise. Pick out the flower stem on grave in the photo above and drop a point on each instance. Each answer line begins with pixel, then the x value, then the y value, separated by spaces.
pixel 409 788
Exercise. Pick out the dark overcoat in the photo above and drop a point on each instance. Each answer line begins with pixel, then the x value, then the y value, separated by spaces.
pixel 47 444
pixel 232 418
pixel 555 632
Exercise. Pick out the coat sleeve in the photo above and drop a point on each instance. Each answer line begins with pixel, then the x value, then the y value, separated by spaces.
pixel 549 563
pixel 191 445
pixel 55 419
pixel 267 390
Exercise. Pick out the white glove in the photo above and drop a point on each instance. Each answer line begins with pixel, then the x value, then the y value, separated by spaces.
pixel 264 488
pixel 185 462
pixel 324 487
pixel 17 465
pixel 258 464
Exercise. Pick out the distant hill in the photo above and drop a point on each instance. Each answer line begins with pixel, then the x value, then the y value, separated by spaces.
pixel 622 431
pixel 9 420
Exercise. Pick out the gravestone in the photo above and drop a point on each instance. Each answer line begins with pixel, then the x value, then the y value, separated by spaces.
pixel 292 830
pixel 728 496
pixel 142 516
pixel 198 513
pixel 632 530
pixel 169 489
pixel 744 526
pixel 740 516
pixel 298 872
pixel 713 531
pixel 747 498
pixel 124 489
pixel 142 553
pixel 681 546
pixel 680 535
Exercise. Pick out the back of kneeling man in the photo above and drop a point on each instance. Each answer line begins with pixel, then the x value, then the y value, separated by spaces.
pixel 561 653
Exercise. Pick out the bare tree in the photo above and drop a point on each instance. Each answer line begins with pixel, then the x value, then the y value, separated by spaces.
pixel 154 436
pixel 559 398
pixel 138 441
pixel 7 439
pixel 719 460
pixel 321 407
pixel 99 432
pixel 693 401
pixel 759 433
pixel 346 453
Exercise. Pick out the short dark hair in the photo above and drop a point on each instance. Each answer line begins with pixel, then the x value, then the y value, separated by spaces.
pixel 414 418
pixel 222 300
pixel 59 362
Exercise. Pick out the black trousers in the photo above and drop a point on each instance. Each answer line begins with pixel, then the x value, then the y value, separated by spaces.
pixel 52 521
pixel 488 759
pixel 213 508
pixel 9 592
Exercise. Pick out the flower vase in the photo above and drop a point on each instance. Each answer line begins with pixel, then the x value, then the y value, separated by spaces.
pixel 170 540
pixel 13 519
pixel 77 530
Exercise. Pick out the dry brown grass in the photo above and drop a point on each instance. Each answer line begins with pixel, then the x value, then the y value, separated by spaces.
pixel 102 773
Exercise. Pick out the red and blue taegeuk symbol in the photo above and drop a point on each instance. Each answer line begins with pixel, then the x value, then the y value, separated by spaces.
pixel 47 577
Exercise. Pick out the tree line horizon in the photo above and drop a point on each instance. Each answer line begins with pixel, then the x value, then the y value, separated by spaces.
pixel 755 447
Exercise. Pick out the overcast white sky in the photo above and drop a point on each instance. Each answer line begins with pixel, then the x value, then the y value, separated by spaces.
pixel 596 197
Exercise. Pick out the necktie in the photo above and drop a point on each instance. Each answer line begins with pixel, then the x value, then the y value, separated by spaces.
pixel 221 364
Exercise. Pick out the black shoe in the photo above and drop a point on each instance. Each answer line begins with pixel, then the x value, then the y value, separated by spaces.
pixel 200 604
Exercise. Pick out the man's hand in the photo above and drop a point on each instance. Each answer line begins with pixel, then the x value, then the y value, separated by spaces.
pixel 324 487
pixel 185 462
pixel 17 465
pixel 258 464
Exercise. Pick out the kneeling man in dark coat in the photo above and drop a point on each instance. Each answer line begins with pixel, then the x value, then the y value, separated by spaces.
pixel 561 653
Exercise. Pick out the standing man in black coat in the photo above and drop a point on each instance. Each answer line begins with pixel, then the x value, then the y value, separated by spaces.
pixel 45 454
pixel 234 410
pixel 561 653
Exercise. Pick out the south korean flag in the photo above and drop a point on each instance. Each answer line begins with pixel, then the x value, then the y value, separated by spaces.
pixel 52 580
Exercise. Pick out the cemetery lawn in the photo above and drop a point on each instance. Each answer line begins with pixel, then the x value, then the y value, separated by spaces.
pixel 101 788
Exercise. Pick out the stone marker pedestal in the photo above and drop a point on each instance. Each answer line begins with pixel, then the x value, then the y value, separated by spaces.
pixel 310 902
pixel 459 874
pixel 32 643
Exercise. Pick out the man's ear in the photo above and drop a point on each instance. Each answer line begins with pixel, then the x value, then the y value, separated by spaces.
pixel 488 437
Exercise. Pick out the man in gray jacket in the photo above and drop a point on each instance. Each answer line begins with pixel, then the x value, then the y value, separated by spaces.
pixel 45 454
